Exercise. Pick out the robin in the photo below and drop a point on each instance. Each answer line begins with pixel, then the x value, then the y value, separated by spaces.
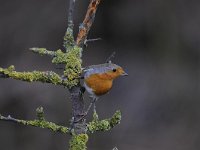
pixel 98 79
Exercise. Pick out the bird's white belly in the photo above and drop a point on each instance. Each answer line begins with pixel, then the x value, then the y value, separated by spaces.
pixel 90 91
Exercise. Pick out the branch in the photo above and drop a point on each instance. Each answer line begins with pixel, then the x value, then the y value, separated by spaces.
pixel 45 77
pixel 40 122
pixel 87 22
pixel 69 38
pixel 72 61
pixel 58 56
pixel 92 40
pixel 104 125
pixel 78 142
pixel 71 14
pixel 43 51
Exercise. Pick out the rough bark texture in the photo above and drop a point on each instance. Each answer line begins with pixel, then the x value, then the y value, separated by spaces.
pixel 78 124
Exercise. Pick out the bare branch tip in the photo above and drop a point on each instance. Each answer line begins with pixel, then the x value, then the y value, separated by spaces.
pixel 108 60
pixel 40 113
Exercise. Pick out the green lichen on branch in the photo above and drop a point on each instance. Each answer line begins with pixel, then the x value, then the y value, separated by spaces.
pixel 71 59
pixel 78 142
pixel 37 123
pixel 69 38
pixel 46 124
pixel 73 66
pixel 60 57
pixel 42 51
pixel 104 125
pixel 45 77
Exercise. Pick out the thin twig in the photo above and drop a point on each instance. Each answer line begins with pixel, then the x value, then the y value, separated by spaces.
pixel 43 51
pixel 69 37
pixel 9 118
pixel 92 40
pixel 71 13
pixel 110 57
pixel 103 125
pixel 93 101
pixel 37 123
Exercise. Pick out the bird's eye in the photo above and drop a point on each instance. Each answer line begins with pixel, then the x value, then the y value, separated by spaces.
pixel 114 70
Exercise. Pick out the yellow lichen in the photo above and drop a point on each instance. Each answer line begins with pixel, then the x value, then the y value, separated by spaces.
pixel 46 77
pixel 68 39
pixel 45 124
pixel 78 142
pixel 103 125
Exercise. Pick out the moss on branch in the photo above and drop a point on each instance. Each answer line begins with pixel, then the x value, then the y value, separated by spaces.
pixel 73 66
pixel 104 125
pixel 78 142
pixel 37 123
pixel 45 124
pixel 42 51
pixel 69 38
pixel 45 77
pixel 71 59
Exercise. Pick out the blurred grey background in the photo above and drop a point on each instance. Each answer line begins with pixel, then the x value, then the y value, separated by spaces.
pixel 156 41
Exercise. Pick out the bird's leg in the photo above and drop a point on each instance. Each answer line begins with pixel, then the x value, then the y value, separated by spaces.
pixel 72 122
pixel 92 103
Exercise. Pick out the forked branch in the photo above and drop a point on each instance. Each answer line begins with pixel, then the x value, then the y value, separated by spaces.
pixel 40 122
pixel 71 14
pixel 104 125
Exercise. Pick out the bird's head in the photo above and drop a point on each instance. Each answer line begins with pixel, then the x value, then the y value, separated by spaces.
pixel 106 71
pixel 114 71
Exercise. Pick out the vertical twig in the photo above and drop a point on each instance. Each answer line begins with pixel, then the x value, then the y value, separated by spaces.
pixel 71 14
pixel 69 38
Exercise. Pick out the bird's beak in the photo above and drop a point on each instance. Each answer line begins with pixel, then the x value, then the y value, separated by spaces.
pixel 124 74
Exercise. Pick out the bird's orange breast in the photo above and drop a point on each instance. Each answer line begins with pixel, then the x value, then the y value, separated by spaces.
pixel 99 83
